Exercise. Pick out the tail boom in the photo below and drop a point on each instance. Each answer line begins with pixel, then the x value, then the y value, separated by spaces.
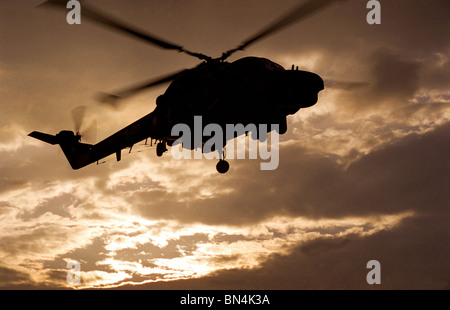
pixel 78 154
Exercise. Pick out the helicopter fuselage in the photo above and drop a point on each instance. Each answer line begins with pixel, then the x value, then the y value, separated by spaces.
pixel 250 90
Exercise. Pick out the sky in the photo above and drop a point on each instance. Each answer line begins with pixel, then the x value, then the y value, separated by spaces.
pixel 363 174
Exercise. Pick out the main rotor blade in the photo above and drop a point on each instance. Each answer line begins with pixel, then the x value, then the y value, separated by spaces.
pixel 297 14
pixel 108 21
pixel 344 85
pixel 112 99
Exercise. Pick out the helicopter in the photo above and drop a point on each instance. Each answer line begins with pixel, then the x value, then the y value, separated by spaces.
pixel 250 90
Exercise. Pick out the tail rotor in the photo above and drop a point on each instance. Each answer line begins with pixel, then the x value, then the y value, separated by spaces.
pixel 89 133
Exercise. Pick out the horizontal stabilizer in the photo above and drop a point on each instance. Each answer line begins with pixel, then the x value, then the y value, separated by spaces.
pixel 44 137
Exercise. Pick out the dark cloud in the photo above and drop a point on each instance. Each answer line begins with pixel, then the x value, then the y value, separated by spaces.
pixel 436 71
pixel 56 205
pixel 88 255
pixel 13 277
pixel 393 80
pixel 395 77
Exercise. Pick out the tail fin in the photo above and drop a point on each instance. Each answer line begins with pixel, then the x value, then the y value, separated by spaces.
pixel 44 137
pixel 78 154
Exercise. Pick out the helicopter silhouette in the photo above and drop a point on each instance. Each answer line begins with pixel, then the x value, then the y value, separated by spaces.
pixel 250 90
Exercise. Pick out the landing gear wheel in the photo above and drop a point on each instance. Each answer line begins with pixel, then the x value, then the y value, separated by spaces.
pixel 222 166
pixel 160 149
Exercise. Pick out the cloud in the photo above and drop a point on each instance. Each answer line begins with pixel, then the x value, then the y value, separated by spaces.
pixel 193 251
pixel 411 257
pixel 407 175
pixel 13 277
pixel 395 78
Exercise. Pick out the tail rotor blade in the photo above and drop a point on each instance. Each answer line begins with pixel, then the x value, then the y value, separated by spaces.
pixel 90 133
pixel 78 116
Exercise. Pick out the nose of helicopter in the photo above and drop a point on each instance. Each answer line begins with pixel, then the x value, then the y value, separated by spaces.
pixel 305 80
pixel 298 89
